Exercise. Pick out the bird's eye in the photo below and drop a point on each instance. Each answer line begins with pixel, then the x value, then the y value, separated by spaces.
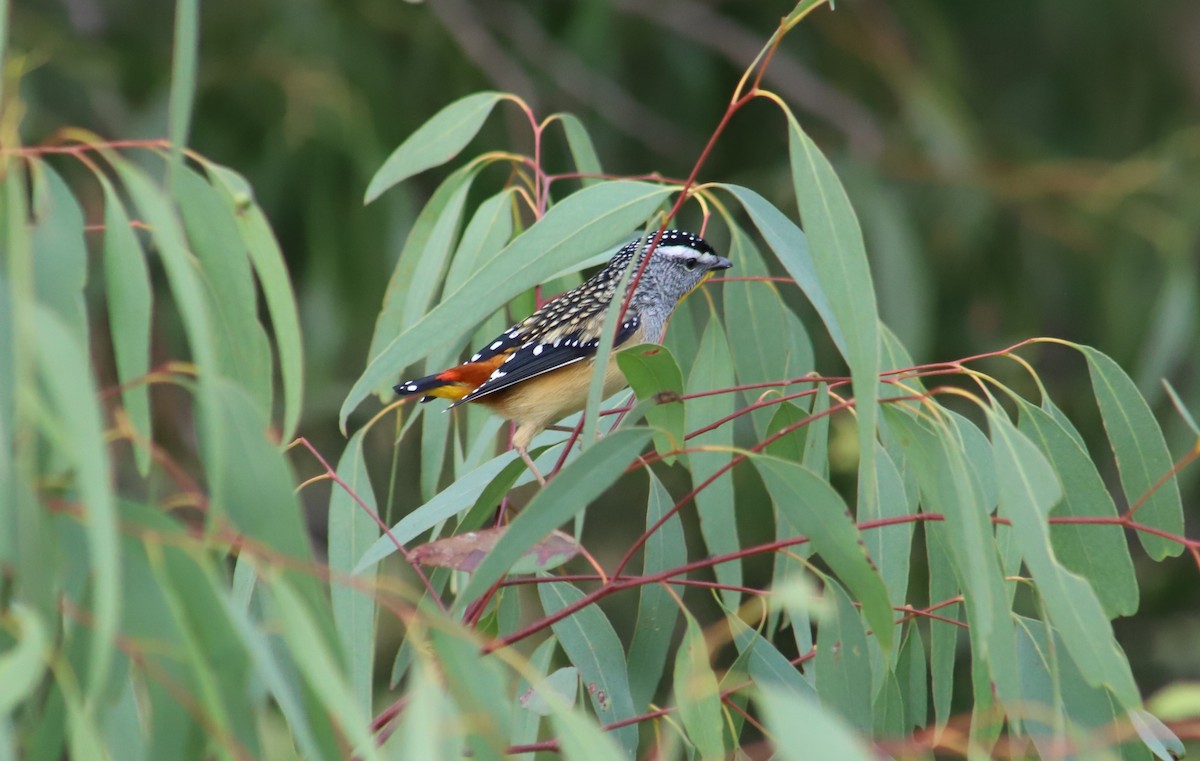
pixel 690 264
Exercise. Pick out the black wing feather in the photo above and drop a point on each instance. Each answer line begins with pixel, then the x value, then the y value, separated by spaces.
pixel 536 358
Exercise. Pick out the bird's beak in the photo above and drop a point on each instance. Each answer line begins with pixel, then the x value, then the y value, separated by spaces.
pixel 722 263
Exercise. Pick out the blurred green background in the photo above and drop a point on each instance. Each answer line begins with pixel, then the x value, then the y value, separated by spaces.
pixel 1020 168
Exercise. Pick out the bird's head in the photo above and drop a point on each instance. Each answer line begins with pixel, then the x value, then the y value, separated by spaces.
pixel 679 264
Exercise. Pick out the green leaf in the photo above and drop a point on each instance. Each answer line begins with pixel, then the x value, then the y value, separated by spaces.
pixel 22 666
pixel 582 740
pixel 912 677
pixel 78 431
pixel 890 547
pixel 657 612
pixel 791 249
pixel 1141 452
pixel 243 351
pixel 1098 553
pixel 430 726
pixel 568 493
pixel 1158 737
pixel 130 309
pixel 435 142
pixel 351 531
pixel 767 666
pixel 449 502
pixel 583 152
pixel 655 376
pixel 486 234
pixel 697 693
pixel 937 457
pixel 59 250
pixel 815 510
pixel 526 721
pixel 563 684
pixel 581 224
pixel 943 636
pixel 840 258
pixel 478 685
pixel 843 668
pixel 767 345
pixel 801 729
pixel 713 370
pixel 320 667
pixel 593 647
pixel 272 272
pixel 1028 489
pixel 790 446
pixel 183 79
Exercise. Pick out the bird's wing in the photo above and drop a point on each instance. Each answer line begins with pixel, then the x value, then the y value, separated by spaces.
pixel 546 352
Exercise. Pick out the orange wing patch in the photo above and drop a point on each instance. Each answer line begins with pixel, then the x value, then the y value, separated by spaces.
pixel 463 379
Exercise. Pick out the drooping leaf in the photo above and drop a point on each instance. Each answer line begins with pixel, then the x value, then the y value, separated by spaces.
pixel 713 370
pixel 843 666
pixel 435 142
pixel 815 510
pixel 593 647
pixel 1141 452
pixel 802 729
pixel 697 693
pixel 1099 553
pixel 563 683
pixel 351 531
pixel 567 494
pixel 657 612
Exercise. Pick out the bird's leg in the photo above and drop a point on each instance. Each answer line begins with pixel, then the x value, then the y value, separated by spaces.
pixel 561 428
pixel 532 468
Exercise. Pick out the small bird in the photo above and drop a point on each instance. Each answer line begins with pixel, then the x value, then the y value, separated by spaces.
pixel 540 369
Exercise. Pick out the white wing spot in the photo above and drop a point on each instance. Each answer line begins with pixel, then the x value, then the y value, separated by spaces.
pixel 475 357
pixel 537 350
pixel 498 374
pixel 411 387
pixel 496 345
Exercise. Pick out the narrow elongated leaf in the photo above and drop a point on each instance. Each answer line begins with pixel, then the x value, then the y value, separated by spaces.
pixel 243 350
pixel 841 263
pixel 79 429
pixel 485 236
pixel 583 151
pixel 526 721
pixel 593 647
pixel 22 666
pixel 59 251
pixel 890 547
pixel 656 611
pixel 435 142
pixel 655 376
pixel 582 740
pixel 565 496
pixel 937 457
pixel 815 510
pixel 843 668
pixel 791 247
pixel 767 345
pixel 943 636
pixel 697 693
pixel 713 370
pixel 1141 452
pixel 269 266
pixel 477 684
pixel 767 666
pixel 430 724
pixel 801 729
pixel 130 306
pixel 1028 489
pixel 912 677
pixel 183 79
pixel 351 531
pixel 450 501
pixel 1098 553
pixel 563 684
pixel 320 667
pixel 572 230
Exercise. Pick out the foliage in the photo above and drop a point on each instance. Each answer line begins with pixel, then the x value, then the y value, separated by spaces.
pixel 163 600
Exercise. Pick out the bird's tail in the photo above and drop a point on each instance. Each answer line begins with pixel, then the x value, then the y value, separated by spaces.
pixel 434 387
